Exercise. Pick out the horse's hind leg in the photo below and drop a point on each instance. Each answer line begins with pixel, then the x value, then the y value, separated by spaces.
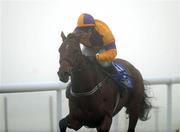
pixel 63 124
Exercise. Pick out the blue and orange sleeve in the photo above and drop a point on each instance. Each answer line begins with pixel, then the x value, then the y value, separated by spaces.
pixel 109 42
pixel 109 54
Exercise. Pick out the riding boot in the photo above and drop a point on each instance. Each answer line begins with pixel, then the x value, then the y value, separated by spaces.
pixel 111 69
pixel 68 90
pixel 113 72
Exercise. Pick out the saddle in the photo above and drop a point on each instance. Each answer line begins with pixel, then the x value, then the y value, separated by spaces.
pixel 120 76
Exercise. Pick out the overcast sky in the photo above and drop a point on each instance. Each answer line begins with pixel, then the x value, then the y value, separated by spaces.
pixel 146 33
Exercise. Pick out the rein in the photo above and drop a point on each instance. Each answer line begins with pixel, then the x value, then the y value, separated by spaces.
pixel 91 92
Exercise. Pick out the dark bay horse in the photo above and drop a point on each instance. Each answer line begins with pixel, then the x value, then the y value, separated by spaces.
pixel 94 97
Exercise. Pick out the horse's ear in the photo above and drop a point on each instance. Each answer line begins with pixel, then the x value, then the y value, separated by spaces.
pixel 63 36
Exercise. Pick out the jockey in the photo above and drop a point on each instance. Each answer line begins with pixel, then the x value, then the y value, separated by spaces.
pixel 96 35
pixel 98 40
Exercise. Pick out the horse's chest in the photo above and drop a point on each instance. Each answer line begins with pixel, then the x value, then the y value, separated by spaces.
pixel 90 118
pixel 87 110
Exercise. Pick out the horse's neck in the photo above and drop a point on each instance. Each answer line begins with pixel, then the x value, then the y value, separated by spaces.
pixel 85 78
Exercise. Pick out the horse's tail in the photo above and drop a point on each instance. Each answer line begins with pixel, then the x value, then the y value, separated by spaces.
pixel 146 104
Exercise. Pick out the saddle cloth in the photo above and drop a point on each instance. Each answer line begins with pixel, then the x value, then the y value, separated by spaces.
pixel 122 76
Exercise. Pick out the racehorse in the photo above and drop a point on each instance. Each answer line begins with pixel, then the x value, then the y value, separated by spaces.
pixel 94 97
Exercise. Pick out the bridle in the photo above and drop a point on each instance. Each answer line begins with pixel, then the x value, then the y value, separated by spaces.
pixel 78 68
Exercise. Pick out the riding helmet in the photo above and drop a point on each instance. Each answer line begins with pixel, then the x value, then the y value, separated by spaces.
pixel 86 20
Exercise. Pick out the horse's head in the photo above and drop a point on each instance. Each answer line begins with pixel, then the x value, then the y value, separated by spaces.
pixel 70 55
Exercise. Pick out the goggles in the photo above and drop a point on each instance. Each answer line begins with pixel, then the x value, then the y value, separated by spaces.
pixel 86 29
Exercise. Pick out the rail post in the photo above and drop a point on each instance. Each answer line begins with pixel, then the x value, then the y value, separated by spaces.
pixel 59 107
pixel 169 107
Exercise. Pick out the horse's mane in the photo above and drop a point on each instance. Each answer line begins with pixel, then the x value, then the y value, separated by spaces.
pixel 72 36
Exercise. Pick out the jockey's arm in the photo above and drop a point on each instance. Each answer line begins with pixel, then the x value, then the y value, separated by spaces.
pixel 109 54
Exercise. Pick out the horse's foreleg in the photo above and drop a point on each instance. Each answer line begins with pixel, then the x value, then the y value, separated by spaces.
pixel 133 116
pixel 63 124
pixel 106 124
